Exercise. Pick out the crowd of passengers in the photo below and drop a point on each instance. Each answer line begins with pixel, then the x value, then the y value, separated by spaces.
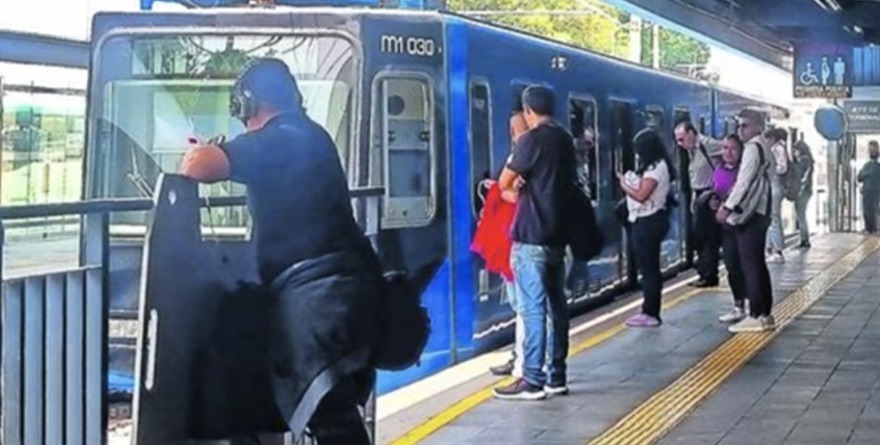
pixel 738 184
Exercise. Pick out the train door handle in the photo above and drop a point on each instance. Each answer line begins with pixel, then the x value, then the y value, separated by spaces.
pixel 150 365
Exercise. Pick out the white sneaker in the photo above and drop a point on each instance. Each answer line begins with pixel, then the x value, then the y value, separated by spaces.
pixel 736 314
pixel 749 324
pixel 776 258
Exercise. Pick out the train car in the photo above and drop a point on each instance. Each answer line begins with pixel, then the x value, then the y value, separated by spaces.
pixel 418 103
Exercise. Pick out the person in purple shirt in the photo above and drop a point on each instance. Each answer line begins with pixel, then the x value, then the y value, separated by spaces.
pixel 722 183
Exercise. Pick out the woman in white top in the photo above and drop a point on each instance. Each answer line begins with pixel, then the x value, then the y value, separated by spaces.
pixel 776 138
pixel 646 191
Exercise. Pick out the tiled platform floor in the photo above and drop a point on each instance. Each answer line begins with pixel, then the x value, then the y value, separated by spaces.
pixel 611 379
pixel 817 383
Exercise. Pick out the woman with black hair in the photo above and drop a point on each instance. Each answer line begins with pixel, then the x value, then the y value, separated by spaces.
pixel 647 190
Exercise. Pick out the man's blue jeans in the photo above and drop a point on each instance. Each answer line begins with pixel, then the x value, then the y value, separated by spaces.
pixel 539 273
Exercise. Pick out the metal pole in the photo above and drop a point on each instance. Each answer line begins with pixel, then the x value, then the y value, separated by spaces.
pixel 833 210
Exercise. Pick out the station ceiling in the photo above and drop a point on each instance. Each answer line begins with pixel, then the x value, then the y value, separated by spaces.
pixel 768 29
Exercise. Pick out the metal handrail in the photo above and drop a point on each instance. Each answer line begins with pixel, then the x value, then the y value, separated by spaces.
pixel 91 206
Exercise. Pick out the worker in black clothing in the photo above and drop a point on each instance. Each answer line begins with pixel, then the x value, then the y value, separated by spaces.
pixel 311 254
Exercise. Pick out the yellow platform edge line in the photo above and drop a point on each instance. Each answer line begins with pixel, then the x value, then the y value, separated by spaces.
pixel 456 410
pixel 665 409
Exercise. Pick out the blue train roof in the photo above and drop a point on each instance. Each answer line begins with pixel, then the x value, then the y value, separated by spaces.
pixel 200 17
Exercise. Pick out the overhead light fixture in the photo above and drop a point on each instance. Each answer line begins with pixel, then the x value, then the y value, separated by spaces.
pixel 829 5
pixel 858 29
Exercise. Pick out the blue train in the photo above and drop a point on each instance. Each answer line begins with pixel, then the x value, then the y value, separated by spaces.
pixel 418 102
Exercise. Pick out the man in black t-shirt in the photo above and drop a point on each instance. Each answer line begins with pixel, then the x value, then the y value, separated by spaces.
pixel 310 253
pixel 544 158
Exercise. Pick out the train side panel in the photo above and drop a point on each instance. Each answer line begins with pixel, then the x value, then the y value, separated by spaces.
pixel 617 99
pixel 404 129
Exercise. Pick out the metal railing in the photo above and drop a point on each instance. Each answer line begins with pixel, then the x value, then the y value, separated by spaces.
pixel 53 355
pixel 54 327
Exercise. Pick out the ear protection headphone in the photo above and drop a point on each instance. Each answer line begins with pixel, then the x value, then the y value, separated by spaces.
pixel 242 102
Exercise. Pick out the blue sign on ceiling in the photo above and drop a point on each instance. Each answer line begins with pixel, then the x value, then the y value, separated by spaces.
pixel 823 70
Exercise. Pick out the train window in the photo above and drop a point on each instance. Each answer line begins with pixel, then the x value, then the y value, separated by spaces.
pixel 403 120
pixel 582 123
pixel 682 162
pixel 701 125
pixel 623 157
pixel 654 118
pixel 480 140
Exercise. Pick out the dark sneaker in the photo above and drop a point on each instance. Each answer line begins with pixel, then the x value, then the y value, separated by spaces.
pixel 805 245
pixel 556 389
pixel 705 283
pixel 520 390
pixel 505 369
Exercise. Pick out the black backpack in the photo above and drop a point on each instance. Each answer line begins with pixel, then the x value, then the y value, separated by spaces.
pixel 404 325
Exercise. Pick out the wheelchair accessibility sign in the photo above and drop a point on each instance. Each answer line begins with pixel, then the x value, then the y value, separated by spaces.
pixel 823 71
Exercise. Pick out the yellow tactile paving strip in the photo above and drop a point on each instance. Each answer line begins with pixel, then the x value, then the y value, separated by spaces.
pixel 455 411
pixel 665 409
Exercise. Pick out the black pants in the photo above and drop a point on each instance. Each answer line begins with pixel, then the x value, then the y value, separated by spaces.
pixel 707 241
pixel 869 208
pixel 337 420
pixel 735 276
pixel 647 235
pixel 750 240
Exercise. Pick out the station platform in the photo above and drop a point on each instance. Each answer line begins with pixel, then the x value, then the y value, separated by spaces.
pixel 815 380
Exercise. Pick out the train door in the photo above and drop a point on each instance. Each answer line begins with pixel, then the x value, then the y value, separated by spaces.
pixel 407 137
pixel 583 279
pixel 622 160
pixel 491 298
pixel 848 205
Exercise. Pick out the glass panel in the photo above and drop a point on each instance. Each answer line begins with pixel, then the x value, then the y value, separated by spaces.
pixel 159 91
pixel 405 111
pixel 582 122
pixel 42 126
pixel 481 142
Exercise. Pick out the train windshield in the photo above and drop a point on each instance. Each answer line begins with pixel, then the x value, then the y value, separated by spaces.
pixel 156 91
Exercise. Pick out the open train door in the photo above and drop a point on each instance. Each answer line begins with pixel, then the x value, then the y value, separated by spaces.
pixel 191 299
pixel 623 159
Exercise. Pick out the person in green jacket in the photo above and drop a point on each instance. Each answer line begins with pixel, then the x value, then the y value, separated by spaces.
pixel 869 176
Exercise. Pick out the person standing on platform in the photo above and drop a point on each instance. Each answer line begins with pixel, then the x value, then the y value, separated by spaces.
pixel 545 158
pixel 647 191
pixel 318 264
pixel 748 210
pixel 703 153
pixel 804 165
pixel 776 138
pixel 724 178
pixel 869 176
pixel 518 127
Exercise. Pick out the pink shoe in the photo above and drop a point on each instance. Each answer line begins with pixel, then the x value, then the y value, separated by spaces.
pixel 642 321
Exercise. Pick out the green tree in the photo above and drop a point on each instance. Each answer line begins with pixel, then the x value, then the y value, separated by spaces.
pixel 677 51
pixel 597 30
pixel 603 28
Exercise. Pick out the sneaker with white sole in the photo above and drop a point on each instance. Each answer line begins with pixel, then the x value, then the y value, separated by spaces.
pixel 520 390
pixel 777 258
pixel 736 314
pixel 556 389
pixel 768 322
pixel 748 324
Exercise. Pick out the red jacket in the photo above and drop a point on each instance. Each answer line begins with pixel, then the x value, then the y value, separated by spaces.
pixel 492 238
